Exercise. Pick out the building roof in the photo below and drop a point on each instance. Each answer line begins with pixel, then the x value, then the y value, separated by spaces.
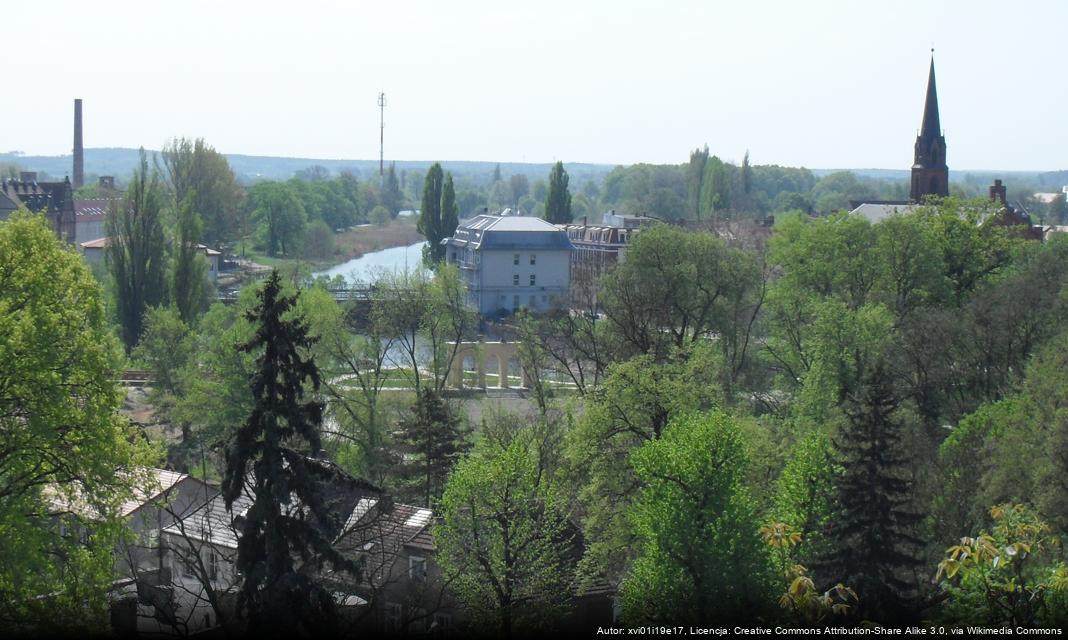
pixel 158 483
pixel 101 243
pixel 92 209
pixel 37 196
pixel 508 232
pixel 877 211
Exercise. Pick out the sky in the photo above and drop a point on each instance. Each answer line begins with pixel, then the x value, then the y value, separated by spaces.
pixel 821 84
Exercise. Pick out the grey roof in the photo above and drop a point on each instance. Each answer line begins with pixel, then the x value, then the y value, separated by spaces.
pixel 509 232
pixel 876 212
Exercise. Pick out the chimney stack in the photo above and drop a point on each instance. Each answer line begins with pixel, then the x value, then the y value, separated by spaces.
pixel 79 157
pixel 998 193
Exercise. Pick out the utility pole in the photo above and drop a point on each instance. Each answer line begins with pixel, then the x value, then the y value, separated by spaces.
pixel 381 138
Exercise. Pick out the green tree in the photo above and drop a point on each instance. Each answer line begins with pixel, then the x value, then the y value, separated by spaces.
pixel 518 186
pixel 135 251
pixel 504 542
pixel 272 458
pixel 199 172
pixel 701 559
pixel 449 213
pixel 695 174
pixel 190 264
pixel 432 441
pixel 62 439
pixel 873 542
pixel 280 215
pixel 430 223
pixel 558 200
pixel 392 197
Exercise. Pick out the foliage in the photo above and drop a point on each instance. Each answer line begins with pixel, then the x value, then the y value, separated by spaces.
pixel 504 542
pixel 279 214
pixel 135 250
pixel 558 198
pixel 202 179
pixel 806 494
pixel 190 265
pixel 65 454
pixel 430 223
pixel 804 603
pixel 431 441
pixel 1005 578
pixel 701 560
pixel 271 458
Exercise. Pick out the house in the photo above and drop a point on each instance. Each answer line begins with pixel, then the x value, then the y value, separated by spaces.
pixel 89 216
pixel 598 248
pixel 511 262
pixel 54 199
pixel 93 250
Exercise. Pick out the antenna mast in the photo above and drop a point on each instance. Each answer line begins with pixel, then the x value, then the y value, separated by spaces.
pixel 381 136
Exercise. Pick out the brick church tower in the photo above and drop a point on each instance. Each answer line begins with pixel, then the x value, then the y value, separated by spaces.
pixel 930 175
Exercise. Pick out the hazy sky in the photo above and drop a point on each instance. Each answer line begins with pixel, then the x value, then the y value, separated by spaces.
pixel 816 83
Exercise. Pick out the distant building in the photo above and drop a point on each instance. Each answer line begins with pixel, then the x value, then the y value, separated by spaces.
pixel 598 248
pixel 94 254
pixel 89 218
pixel 54 199
pixel 510 262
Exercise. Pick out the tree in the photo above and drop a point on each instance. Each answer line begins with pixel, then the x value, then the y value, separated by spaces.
pixel 65 454
pixel 432 441
pixel 449 213
pixel 392 197
pixel 190 264
pixel 197 171
pixel 135 249
pixel 504 542
pixel 872 540
pixel 272 459
pixel 280 215
pixel 558 200
pixel 518 186
pixel 496 173
pixel 701 560
pixel 695 174
pixel 430 223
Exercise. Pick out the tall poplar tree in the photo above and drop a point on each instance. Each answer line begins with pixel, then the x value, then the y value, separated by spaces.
pixel 430 224
pixel 449 212
pixel 190 266
pixel 272 459
pixel 135 249
pixel 558 200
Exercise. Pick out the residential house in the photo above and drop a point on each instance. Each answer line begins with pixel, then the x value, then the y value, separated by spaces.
pixel 54 199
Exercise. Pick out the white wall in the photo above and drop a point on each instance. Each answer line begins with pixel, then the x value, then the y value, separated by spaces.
pixel 552 271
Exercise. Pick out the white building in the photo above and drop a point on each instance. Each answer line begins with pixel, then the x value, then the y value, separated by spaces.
pixel 510 262
pixel 93 250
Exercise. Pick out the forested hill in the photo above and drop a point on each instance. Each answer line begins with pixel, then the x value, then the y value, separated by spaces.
pixel 120 162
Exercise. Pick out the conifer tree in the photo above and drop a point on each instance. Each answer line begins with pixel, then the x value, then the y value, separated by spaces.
pixel 433 441
pixel 496 173
pixel 430 215
pixel 271 458
pixel 558 200
pixel 871 540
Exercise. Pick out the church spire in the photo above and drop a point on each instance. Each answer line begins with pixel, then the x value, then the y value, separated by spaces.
pixel 931 127
pixel 930 175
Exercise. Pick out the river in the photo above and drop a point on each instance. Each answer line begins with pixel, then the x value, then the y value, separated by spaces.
pixel 369 266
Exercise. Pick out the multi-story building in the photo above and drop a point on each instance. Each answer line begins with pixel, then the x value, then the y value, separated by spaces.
pixel 598 248
pixel 510 262
pixel 54 199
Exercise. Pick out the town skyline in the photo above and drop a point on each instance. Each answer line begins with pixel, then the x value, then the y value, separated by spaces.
pixel 641 84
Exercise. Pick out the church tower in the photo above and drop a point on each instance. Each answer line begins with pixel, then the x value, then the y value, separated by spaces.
pixel 930 175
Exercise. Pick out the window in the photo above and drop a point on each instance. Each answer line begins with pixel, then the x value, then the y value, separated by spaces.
pixel 533 279
pixel 187 568
pixel 515 279
pixel 533 259
pixel 442 622
pixel 393 617
pixel 533 301
pixel 417 568
pixel 213 566
pixel 515 259
pixel 515 303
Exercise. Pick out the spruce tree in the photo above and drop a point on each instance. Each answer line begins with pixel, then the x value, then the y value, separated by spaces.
pixel 430 215
pixel 871 540
pixel 271 457
pixel 558 200
pixel 432 441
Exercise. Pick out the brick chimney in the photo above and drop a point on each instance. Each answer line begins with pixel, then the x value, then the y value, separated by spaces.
pixel 997 193
pixel 79 152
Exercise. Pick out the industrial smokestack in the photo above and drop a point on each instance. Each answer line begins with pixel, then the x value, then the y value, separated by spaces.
pixel 79 152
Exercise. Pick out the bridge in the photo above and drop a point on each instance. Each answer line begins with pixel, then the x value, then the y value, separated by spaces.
pixel 341 295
